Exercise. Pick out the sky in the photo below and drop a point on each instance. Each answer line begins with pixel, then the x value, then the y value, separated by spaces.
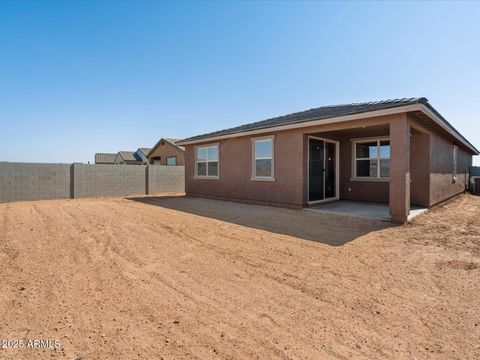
pixel 78 78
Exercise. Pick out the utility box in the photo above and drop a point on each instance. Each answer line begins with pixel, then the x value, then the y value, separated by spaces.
pixel 476 185
pixel 475 180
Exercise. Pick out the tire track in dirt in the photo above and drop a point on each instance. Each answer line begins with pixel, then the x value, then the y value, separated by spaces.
pixel 138 281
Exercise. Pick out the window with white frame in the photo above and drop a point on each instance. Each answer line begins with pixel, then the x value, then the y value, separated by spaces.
pixel 171 160
pixel 262 165
pixel 207 161
pixel 372 158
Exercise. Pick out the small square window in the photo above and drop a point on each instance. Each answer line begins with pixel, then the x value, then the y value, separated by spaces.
pixel 372 158
pixel 171 161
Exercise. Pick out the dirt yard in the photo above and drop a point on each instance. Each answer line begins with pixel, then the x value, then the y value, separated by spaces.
pixel 181 278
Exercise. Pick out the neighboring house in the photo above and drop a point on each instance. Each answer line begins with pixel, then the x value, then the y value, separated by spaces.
pixel 142 153
pixel 167 152
pixel 394 151
pixel 105 158
pixel 128 158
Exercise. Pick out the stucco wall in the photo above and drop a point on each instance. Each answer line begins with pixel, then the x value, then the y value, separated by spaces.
pixel 290 186
pixel 236 171
pixel 419 169
pixel 166 150
pixel 354 189
pixel 429 151
pixel 442 185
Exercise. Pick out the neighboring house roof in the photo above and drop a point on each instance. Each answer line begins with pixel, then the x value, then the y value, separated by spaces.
pixel 174 142
pixel 128 156
pixel 161 142
pixel 145 151
pixel 105 158
pixel 333 111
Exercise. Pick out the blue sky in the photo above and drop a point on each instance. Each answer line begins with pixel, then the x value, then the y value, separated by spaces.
pixel 83 77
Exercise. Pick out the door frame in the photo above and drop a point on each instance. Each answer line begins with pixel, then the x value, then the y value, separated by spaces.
pixel 337 170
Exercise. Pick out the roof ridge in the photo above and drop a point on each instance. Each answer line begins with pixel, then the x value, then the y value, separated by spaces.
pixel 372 102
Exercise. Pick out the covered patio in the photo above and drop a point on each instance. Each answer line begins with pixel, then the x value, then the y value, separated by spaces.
pixel 365 168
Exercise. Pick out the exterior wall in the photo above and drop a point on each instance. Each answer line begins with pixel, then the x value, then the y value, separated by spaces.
pixel 235 174
pixel 166 150
pixel 24 181
pixel 420 169
pixel 354 189
pixel 442 185
pixel 291 168
pixel 399 190
pixel 428 174
pixel 29 181
pixel 108 180
pixel 165 179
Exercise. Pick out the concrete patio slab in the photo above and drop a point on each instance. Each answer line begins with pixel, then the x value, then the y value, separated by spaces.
pixel 370 210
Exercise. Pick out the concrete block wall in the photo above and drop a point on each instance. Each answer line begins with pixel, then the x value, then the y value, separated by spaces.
pixel 31 181
pixel 24 181
pixel 165 179
pixel 109 180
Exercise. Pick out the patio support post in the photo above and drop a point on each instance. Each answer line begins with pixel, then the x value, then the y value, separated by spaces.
pixel 399 192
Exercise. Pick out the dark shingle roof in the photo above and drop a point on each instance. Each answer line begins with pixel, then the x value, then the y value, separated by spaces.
pixel 323 112
pixel 105 158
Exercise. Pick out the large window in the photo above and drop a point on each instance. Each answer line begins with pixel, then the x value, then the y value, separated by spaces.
pixel 372 158
pixel 171 160
pixel 207 161
pixel 262 166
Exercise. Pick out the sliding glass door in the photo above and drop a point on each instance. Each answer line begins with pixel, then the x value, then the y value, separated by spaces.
pixel 322 169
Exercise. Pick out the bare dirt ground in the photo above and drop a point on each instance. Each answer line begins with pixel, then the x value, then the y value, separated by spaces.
pixel 183 278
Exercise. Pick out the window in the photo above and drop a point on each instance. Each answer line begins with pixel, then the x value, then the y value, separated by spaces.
pixel 372 158
pixel 171 161
pixel 262 164
pixel 454 163
pixel 207 161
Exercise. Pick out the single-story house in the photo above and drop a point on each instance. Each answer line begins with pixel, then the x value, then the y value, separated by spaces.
pixel 167 152
pixel 105 158
pixel 128 158
pixel 399 152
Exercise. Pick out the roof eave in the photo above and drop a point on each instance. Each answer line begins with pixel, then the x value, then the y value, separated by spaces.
pixel 426 108
pixel 308 123
pixel 432 113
